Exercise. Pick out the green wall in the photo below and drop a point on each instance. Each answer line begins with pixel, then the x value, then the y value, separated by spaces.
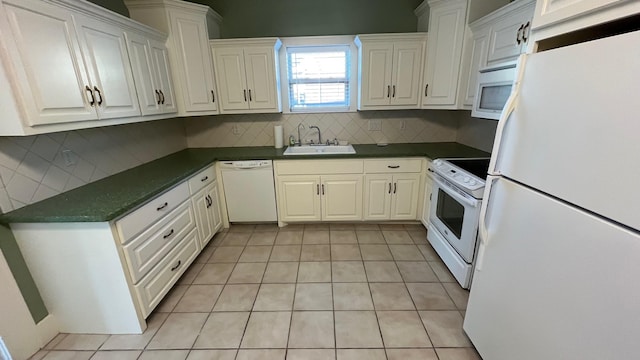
pixel 257 18
pixel 21 273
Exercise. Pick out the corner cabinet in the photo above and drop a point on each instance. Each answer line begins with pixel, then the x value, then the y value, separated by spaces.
pixel 189 26
pixel 248 75
pixel 319 190
pixel 390 70
pixel 133 261
pixel 67 66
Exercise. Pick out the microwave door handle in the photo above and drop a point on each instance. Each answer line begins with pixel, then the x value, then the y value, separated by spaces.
pixel 483 233
pixel 456 196
pixel 506 115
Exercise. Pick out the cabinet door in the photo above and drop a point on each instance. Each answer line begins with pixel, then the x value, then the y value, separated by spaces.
pixel 554 11
pixel 375 85
pixel 232 81
pixel 405 79
pixel 299 198
pixel 444 51
pixel 144 74
pixel 204 221
pixel 163 77
pixel 341 197
pixel 260 71
pixel 105 52
pixel 506 41
pixel 404 202
pixel 193 61
pixel 52 76
pixel 479 49
pixel 214 209
pixel 377 197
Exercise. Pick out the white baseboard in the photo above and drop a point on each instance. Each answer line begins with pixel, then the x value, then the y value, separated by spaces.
pixel 47 329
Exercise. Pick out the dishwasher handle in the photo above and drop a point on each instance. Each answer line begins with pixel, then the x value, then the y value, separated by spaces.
pixel 247 165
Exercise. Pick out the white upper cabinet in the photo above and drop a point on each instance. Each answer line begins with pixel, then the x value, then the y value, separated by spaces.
pixel 479 49
pixel 69 65
pixel 447 24
pixel 45 38
pixel 150 63
pixel 105 50
pixel 390 70
pixel 555 17
pixel 189 26
pixel 510 32
pixel 247 75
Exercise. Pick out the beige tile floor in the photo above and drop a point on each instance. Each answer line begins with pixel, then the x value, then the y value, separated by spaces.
pixel 313 292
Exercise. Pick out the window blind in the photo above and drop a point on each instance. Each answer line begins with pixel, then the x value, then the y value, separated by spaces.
pixel 318 77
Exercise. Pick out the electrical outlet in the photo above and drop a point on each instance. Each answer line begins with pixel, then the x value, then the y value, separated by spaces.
pixel 375 125
pixel 69 157
pixel 235 129
pixel 403 125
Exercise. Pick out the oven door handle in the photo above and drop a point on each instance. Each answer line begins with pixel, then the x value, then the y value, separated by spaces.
pixel 483 232
pixel 459 197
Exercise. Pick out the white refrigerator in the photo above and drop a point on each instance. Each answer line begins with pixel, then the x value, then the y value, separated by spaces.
pixel 558 269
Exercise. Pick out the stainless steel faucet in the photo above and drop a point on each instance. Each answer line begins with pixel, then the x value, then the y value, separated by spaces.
pixel 299 143
pixel 319 135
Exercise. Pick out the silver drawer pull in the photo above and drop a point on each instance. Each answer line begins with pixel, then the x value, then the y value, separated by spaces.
pixel 393 166
pixel 204 179
pixel 168 234
pixel 177 266
pixel 162 206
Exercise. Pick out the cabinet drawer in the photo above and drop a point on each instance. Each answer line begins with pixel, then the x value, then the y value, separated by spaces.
pixel 393 165
pixel 318 167
pixel 202 179
pixel 132 224
pixel 157 283
pixel 150 247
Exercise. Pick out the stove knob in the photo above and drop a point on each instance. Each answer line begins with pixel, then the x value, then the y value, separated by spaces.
pixel 466 179
pixel 473 182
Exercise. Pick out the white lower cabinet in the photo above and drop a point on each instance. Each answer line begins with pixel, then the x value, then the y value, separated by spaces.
pixel 391 197
pixel 107 277
pixel 315 190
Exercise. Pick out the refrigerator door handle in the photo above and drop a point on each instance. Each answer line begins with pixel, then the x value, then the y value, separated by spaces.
pixel 483 233
pixel 506 114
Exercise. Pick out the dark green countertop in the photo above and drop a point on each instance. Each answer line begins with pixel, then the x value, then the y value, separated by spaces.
pixel 111 197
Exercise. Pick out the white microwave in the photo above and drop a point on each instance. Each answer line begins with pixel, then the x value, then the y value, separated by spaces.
pixel 494 88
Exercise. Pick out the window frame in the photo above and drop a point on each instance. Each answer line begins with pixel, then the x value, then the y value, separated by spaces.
pixel 319 41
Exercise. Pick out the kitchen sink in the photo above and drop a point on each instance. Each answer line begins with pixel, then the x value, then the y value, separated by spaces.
pixel 319 150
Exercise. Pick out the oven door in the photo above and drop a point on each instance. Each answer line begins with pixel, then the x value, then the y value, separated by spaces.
pixel 455 215
pixel 494 88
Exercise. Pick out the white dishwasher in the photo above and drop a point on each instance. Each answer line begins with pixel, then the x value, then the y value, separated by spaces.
pixel 249 190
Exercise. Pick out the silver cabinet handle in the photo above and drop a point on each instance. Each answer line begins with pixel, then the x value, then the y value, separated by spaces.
pixel 168 234
pixel 162 206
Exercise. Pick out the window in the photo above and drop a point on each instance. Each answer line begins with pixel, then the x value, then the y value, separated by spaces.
pixel 319 78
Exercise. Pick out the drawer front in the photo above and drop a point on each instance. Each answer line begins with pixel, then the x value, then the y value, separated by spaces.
pixel 132 224
pixel 393 166
pixel 156 284
pixel 150 247
pixel 202 179
pixel 318 167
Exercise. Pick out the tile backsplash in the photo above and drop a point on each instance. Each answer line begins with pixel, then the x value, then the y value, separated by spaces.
pixel 407 126
pixel 33 168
